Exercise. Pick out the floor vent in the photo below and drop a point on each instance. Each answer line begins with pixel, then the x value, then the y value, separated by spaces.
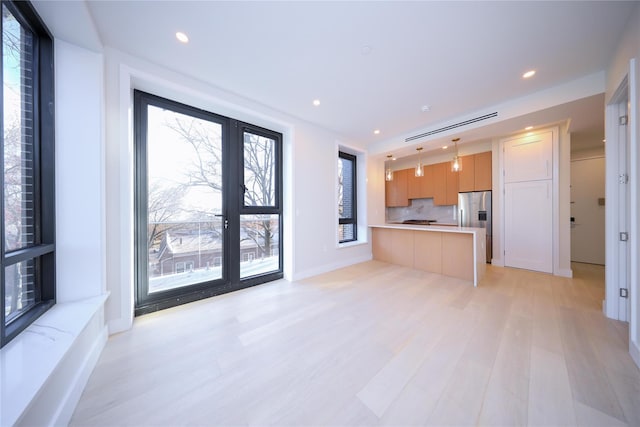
pixel 453 126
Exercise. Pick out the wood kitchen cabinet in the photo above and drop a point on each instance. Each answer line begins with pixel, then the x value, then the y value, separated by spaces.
pixel 440 183
pixel 476 173
pixel 467 174
pixel 420 187
pixel 482 173
pixel 445 182
pixel 456 253
pixel 452 186
pixel 413 185
pixel 396 191
pixel 394 246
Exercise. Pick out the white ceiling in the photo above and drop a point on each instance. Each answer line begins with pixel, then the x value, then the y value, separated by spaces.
pixel 373 65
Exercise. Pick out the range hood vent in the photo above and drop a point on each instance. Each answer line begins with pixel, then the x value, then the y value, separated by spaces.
pixel 453 126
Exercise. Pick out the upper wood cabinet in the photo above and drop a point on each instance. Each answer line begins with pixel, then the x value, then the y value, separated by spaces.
pixel 452 185
pixel 420 187
pixel 440 183
pixel 396 190
pixel 413 185
pixel 476 172
pixel 466 180
pixel 483 171
pixel 445 184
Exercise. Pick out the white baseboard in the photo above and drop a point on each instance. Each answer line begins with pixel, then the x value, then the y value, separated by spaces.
pixel 120 325
pixel 498 262
pixel 564 272
pixel 330 267
pixel 635 353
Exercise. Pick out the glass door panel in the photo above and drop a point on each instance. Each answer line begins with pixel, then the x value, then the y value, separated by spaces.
pixel 185 226
pixel 195 238
pixel 261 210
pixel 259 244
pixel 259 170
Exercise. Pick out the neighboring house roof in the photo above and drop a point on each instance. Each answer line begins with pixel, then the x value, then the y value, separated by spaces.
pixel 193 242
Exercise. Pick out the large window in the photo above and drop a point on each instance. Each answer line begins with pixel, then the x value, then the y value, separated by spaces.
pixel 208 203
pixel 347 200
pixel 28 226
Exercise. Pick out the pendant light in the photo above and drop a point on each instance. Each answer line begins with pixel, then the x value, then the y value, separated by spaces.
pixel 419 170
pixel 388 173
pixel 456 163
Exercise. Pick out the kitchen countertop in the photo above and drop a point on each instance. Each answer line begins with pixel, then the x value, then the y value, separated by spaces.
pixel 446 228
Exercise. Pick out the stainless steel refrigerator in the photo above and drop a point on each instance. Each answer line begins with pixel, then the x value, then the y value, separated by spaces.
pixel 475 211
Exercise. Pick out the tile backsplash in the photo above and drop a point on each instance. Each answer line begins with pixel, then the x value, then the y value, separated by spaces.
pixel 424 209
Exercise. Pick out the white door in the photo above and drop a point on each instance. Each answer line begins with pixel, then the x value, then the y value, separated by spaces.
pixel 529 158
pixel 528 225
pixel 587 210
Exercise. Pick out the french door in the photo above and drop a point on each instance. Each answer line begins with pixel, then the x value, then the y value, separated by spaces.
pixel 208 203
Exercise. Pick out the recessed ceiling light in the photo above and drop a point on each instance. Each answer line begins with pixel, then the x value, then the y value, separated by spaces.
pixel 182 37
pixel 528 128
pixel 316 102
pixel 377 131
pixel 444 147
pixel 366 49
pixel 426 108
pixel 528 74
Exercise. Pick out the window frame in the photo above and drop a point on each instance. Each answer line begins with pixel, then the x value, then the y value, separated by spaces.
pixel 277 209
pixel 232 210
pixel 277 138
pixel 42 250
pixel 354 197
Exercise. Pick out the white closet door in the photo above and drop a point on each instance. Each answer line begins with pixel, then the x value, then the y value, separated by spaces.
pixel 528 225
pixel 529 158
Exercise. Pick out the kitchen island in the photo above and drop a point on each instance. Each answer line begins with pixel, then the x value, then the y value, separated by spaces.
pixel 450 251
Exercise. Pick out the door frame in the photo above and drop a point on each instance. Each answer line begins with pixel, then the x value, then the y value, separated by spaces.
pixel 233 158
pixel 634 230
pixel 616 257
pixel 627 91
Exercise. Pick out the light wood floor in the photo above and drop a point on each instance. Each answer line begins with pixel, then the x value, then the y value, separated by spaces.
pixel 375 344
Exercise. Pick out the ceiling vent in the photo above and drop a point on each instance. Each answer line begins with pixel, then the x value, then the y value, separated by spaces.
pixel 453 126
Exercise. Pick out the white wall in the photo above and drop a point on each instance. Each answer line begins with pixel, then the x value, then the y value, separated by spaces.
pixel 618 68
pixel 79 173
pixel 587 153
pixel 376 189
pixel 310 165
pixel 45 369
pixel 562 267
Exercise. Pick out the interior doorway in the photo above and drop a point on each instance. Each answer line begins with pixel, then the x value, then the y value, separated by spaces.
pixel 588 206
